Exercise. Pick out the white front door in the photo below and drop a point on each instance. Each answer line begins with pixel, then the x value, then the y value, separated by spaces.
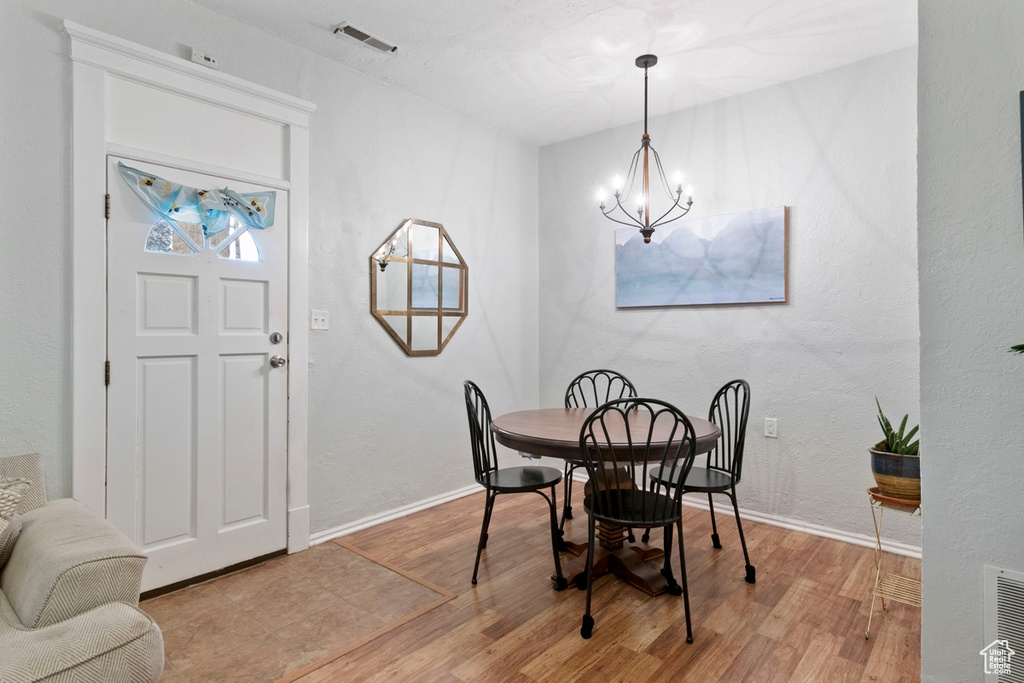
pixel 196 413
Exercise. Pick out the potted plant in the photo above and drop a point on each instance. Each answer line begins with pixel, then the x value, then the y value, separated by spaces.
pixel 896 461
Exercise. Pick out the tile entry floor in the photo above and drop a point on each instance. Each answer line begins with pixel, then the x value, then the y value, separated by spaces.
pixel 260 623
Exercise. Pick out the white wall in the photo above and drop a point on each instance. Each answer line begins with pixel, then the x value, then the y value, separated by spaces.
pixel 839 149
pixel 971 254
pixel 385 430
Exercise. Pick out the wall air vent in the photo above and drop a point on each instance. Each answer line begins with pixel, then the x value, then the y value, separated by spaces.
pixel 363 37
pixel 1004 623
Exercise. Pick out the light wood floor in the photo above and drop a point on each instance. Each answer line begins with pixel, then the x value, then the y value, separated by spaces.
pixel 804 620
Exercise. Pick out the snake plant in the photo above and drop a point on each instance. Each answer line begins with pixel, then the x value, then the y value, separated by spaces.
pixel 898 442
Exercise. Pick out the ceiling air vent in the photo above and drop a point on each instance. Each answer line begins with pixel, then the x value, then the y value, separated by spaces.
pixel 363 37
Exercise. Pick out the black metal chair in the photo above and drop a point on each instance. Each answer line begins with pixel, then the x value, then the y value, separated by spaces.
pixel 622 440
pixel 729 410
pixel 591 388
pixel 508 480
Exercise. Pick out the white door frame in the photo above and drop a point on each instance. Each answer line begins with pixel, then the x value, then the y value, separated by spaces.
pixel 95 57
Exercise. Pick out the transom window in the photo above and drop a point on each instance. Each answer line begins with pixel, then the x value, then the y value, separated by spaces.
pixel 237 243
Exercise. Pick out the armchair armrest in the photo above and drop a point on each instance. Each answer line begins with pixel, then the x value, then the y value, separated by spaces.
pixel 111 642
pixel 68 561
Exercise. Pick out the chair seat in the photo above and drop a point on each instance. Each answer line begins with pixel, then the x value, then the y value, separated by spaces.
pixel 633 508
pixel 707 479
pixel 699 479
pixel 517 479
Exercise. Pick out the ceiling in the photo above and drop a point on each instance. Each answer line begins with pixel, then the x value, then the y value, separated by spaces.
pixel 550 70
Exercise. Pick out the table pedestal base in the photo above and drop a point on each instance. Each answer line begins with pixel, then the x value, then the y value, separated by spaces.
pixel 628 563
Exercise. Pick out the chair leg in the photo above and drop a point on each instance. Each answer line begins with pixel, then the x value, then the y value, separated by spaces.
pixel 673 586
pixel 567 504
pixel 587 629
pixel 714 527
pixel 556 536
pixel 652 486
pixel 488 506
pixel 751 576
pixel 686 590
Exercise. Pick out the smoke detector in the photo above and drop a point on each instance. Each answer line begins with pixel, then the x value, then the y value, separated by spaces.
pixel 363 37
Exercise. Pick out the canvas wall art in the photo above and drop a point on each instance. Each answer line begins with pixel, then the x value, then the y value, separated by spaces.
pixel 736 258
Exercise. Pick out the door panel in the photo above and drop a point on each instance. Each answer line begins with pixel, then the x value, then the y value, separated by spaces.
pixel 245 430
pixel 196 415
pixel 167 448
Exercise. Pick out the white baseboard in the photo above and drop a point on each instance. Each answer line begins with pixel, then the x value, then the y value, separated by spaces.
pixel 724 514
pixel 764 518
pixel 374 520
pixel 864 540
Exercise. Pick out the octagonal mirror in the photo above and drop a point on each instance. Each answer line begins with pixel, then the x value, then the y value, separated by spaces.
pixel 419 287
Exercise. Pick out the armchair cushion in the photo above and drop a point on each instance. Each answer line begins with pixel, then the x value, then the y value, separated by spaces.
pixel 68 561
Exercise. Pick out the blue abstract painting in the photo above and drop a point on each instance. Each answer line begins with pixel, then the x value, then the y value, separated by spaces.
pixel 737 258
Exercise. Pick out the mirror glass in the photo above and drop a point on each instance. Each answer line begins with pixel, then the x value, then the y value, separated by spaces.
pixel 424 286
pixel 424 242
pixel 424 333
pixel 447 253
pixel 451 289
pixel 392 289
pixel 448 325
pixel 419 287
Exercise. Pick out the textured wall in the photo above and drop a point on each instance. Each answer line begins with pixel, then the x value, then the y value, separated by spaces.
pixel 971 255
pixel 385 430
pixel 838 148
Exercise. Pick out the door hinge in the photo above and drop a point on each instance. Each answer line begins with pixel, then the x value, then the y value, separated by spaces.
pixel 106 211
pixel 106 374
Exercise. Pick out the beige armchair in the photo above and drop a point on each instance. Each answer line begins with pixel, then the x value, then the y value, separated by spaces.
pixel 69 595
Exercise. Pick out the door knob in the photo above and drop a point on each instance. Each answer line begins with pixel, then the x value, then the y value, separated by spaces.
pixel 277 362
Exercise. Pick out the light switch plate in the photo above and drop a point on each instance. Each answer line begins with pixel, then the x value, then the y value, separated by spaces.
pixel 317 320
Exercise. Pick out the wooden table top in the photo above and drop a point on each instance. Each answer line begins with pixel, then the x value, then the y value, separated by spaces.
pixel 555 432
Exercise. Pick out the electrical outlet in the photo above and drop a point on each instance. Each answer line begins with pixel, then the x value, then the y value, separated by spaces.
pixel 205 58
pixel 317 320
pixel 771 427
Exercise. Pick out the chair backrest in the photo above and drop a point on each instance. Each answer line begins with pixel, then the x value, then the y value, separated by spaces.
pixel 594 387
pixel 621 442
pixel 729 410
pixel 485 458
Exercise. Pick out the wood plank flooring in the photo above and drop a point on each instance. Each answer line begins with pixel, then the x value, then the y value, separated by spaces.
pixel 804 620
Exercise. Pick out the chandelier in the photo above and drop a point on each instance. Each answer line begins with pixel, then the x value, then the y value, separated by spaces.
pixel 625 189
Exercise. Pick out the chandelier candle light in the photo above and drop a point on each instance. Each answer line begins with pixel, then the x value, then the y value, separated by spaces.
pixel 624 189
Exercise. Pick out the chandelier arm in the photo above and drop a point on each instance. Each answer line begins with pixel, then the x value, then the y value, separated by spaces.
pixel 635 222
pixel 670 220
pixel 627 184
pixel 675 206
pixel 661 173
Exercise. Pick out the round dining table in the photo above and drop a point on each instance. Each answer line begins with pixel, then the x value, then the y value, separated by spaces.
pixel 555 433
